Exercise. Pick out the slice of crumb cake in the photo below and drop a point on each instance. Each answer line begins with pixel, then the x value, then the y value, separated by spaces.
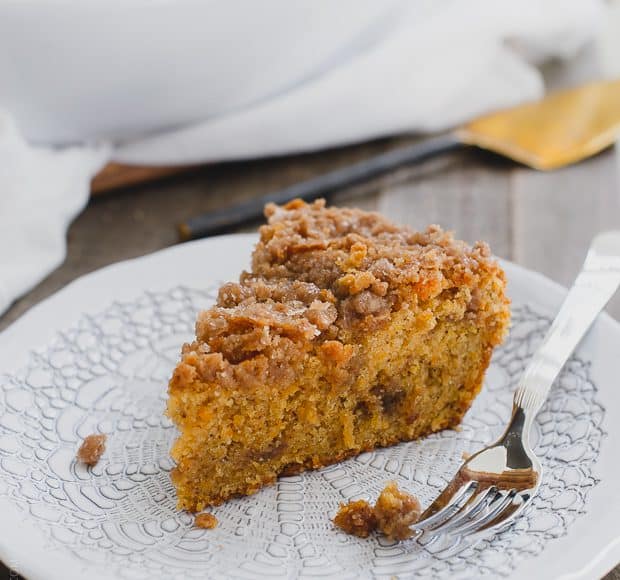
pixel 349 333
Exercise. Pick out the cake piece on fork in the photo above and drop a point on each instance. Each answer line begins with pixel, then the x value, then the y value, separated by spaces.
pixel 349 333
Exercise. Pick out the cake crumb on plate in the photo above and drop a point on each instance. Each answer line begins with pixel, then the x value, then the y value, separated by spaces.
pixel 206 521
pixel 396 511
pixel 92 449
pixel 393 514
pixel 356 518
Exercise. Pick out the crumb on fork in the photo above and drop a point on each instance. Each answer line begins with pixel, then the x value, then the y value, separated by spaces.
pixel 92 449
pixel 356 518
pixel 206 521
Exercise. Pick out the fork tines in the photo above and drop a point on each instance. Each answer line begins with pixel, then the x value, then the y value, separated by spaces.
pixel 472 508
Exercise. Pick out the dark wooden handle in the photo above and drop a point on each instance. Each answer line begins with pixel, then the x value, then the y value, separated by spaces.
pixel 222 220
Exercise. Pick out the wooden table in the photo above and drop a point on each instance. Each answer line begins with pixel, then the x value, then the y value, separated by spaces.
pixel 542 221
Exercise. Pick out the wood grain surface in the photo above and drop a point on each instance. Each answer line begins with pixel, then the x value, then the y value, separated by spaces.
pixel 116 176
pixel 542 221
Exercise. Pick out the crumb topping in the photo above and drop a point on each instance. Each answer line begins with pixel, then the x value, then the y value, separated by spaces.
pixel 321 274
pixel 348 251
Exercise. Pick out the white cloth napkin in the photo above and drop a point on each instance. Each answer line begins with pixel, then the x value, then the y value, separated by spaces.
pixel 41 191
pixel 438 64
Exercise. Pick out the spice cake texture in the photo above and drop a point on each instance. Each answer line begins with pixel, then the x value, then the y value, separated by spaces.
pixel 349 333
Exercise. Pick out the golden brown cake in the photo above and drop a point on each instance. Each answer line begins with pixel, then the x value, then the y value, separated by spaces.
pixel 348 333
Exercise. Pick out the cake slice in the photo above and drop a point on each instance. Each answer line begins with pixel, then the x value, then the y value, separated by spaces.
pixel 349 333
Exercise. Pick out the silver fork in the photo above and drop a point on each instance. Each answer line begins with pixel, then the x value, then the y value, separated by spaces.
pixel 494 485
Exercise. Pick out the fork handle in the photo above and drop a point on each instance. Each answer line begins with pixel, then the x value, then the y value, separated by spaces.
pixel 595 285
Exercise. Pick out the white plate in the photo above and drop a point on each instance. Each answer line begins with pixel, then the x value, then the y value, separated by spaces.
pixel 97 356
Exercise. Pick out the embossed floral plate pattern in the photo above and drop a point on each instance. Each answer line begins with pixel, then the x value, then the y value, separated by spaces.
pixel 96 358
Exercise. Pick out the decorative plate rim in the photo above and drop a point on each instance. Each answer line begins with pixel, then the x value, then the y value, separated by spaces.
pixel 25 550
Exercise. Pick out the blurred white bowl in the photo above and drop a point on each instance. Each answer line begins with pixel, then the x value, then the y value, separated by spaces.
pixel 72 70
